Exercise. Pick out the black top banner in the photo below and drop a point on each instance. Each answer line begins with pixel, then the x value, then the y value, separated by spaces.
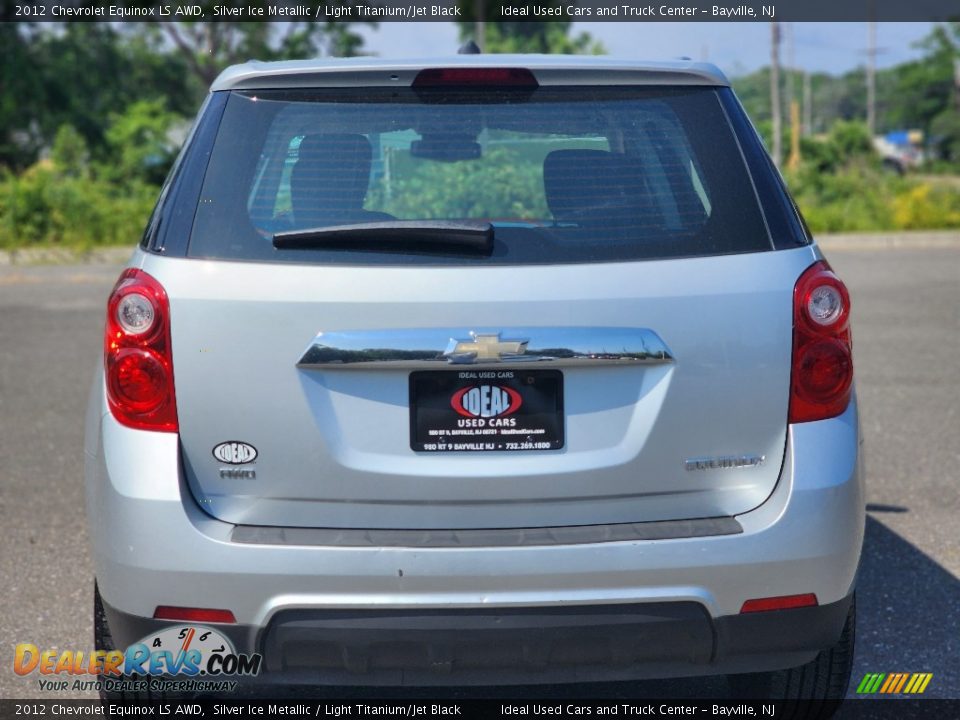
pixel 448 10
pixel 514 709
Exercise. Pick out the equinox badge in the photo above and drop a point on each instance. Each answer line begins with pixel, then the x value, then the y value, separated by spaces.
pixel 723 462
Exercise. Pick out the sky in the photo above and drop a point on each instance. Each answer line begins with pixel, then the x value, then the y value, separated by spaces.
pixel 737 48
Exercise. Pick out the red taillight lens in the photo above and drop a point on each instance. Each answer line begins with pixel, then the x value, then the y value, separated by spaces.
pixel 475 77
pixel 137 358
pixel 822 373
pixel 139 379
pixel 171 612
pixel 784 602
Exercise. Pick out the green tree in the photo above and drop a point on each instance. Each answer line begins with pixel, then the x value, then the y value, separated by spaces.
pixel 909 96
pixel 847 145
pixel 140 142
pixel 77 74
pixel 945 135
pixel 922 89
pixel 20 135
pixel 69 153
pixel 833 98
pixel 209 47
pixel 503 35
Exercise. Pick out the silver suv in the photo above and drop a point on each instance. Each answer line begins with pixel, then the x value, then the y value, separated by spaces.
pixel 481 370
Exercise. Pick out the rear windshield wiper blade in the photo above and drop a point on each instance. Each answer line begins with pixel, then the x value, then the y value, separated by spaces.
pixel 472 236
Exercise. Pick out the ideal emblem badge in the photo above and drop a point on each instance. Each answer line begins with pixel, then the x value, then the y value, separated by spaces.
pixel 234 452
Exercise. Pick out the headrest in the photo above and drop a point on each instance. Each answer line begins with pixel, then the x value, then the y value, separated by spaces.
pixel 577 181
pixel 332 172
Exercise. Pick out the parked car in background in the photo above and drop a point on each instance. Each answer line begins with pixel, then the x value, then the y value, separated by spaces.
pixel 901 150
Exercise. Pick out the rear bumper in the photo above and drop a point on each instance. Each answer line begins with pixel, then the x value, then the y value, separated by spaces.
pixel 154 546
pixel 502 646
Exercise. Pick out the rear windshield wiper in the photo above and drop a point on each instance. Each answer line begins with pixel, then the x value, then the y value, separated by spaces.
pixel 472 236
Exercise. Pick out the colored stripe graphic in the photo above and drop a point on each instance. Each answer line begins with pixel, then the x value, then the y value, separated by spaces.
pixel 870 683
pixel 875 685
pixel 926 681
pixel 894 683
pixel 891 681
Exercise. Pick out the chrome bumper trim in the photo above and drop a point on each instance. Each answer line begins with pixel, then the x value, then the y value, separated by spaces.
pixel 509 537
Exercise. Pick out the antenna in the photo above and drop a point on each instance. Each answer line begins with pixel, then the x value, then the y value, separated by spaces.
pixel 469 48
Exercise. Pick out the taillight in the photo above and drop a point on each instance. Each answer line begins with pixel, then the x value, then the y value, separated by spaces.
pixel 475 77
pixel 822 372
pixel 137 357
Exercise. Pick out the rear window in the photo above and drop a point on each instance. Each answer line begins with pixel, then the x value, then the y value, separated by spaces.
pixel 564 175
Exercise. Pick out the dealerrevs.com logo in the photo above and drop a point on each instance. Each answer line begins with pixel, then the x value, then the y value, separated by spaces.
pixel 179 658
pixel 486 401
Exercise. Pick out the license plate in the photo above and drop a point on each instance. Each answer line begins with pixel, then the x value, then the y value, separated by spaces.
pixel 486 410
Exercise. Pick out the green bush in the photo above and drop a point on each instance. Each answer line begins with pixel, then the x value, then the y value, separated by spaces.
pixel 842 187
pixel 47 205
pixel 925 207
pixel 860 199
pixel 71 201
pixel 856 198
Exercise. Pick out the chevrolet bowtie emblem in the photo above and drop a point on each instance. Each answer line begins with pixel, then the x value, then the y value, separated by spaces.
pixel 484 348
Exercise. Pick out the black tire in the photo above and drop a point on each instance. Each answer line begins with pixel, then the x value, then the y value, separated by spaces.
pixel 814 690
pixel 103 640
pixel 893 165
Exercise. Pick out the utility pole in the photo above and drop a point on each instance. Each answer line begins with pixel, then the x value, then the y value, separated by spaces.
pixel 956 82
pixel 787 33
pixel 775 108
pixel 480 27
pixel 871 52
pixel 793 107
pixel 872 78
pixel 794 161
pixel 807 105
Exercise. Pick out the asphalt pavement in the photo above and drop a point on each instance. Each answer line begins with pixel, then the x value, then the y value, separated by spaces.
pixel 906 315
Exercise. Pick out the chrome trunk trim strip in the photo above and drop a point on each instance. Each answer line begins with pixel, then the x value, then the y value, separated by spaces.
pixel 432 348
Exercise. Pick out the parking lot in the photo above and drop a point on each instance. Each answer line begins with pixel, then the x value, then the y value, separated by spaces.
pixel 907 351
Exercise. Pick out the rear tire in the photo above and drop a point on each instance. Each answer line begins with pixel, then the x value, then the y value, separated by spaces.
pixel 103 640
pixel 817 688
